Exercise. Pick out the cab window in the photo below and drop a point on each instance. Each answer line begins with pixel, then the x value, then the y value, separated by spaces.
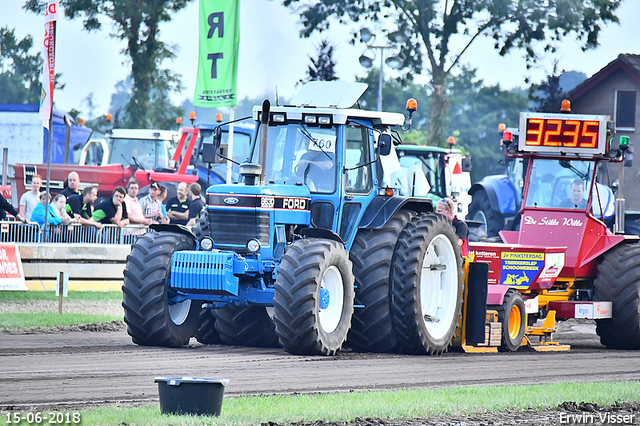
pixel 359 179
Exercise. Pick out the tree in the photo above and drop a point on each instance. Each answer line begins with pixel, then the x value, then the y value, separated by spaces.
pixel 138 23
pixel 19 70
pixel 434 28
pixel 475 113
pixel 548 95
pixel 322 68
pixel 396 93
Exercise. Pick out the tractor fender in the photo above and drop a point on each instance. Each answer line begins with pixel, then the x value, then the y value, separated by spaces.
pixel 500 192
pixel 326 234
pixel 495 294
pixel 176 229
pixel 382 208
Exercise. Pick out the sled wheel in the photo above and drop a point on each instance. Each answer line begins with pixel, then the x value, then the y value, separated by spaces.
pixel 512 316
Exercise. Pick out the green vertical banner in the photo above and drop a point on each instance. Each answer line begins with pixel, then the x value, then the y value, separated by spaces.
pixel 218 58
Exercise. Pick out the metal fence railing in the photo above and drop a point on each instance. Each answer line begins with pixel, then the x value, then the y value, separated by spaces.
pixel 18 232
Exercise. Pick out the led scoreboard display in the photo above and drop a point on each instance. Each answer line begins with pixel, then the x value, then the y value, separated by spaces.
pixel 563 133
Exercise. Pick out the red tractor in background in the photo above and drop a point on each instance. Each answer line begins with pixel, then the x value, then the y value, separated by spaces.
pixel 108 176
pixel 563 262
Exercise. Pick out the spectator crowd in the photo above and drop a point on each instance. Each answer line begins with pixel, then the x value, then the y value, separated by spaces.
pixel 73 206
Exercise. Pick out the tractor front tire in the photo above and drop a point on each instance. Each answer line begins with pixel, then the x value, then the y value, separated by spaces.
pixel 313 301
pixel 426 285
pixel 245 326
pixel 151 319
pixel 618 281
pixel 480 210
pixel 512 316
pixel 371 254
pixel 206 332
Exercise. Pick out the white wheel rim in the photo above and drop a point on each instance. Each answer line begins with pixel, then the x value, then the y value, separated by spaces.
pixel 179 311
pixel 332 282
pixel 439 287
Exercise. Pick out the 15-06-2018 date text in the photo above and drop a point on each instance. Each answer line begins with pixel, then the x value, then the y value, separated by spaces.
pixel 46 418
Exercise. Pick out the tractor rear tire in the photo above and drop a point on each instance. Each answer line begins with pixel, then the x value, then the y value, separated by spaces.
pixel 426 285
pixel 618 281
pixel 206 332
pixel 151 320
pixel 632 226
pixel 371 255
pixel 245 326
pixel 480 210
pixel 313 301
pixel 511 315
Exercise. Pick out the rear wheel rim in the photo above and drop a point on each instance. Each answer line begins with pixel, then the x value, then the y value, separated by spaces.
pixel 439 287
pixel 332 287
pixel 179 312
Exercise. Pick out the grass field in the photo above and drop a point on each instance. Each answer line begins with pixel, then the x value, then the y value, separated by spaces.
pixel 23 296
pixel 26 309
pixel 341 407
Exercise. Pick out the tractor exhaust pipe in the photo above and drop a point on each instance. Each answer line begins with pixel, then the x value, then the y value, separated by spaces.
pixel 618 225
pixel 264 136
pixel 254 174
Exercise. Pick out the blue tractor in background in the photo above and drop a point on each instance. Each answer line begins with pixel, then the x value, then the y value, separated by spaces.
pixel 315 249
pixel 215 171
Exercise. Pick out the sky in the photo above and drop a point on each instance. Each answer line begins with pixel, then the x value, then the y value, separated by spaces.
pixel 274 57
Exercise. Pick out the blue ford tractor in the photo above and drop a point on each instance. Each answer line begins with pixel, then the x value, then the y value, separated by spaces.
pixel 315 250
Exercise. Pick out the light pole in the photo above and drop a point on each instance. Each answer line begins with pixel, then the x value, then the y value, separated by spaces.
pixel 395 62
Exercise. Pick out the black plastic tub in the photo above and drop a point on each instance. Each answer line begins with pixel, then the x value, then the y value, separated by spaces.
pixel 188 395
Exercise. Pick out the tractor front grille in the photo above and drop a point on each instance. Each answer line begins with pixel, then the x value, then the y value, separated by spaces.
pixel 235 228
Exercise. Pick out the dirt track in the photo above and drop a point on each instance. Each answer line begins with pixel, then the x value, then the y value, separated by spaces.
pixel 82 368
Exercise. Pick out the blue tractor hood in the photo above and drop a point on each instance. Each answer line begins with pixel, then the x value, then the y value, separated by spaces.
pixel 285 203
pixel 274 189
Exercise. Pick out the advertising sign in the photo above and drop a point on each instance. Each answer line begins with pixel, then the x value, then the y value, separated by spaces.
pixel 11 273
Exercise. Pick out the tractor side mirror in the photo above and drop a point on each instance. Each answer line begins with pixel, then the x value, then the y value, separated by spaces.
pixel 208 153
pixel 217 137
pixel 384 144
pixel 466 164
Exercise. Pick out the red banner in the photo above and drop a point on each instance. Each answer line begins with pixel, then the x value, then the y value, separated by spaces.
pixel 11 272
pixel 49 53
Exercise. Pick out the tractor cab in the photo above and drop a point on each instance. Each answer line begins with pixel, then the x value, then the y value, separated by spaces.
pixel 343 157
